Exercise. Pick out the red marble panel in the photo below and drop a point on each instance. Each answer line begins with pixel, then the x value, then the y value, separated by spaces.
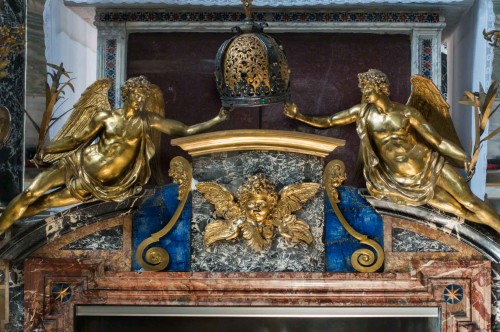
pixel 90 284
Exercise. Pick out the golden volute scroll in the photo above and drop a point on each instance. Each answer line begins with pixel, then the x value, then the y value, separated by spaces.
pixel 363 260
pixel 157 258
pixel 405 158
pixel 101 153
pixel 258 212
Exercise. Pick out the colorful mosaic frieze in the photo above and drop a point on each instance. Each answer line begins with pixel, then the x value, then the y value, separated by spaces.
pixel 425 53
pixel 110 68
pixel 375 17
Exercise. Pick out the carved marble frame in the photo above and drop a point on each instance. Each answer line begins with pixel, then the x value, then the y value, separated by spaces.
pixel 91 285
pixel 112 60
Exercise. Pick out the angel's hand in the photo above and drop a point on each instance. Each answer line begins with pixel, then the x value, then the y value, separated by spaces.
pixel 224 113
pixel 291 110
pixel 471 170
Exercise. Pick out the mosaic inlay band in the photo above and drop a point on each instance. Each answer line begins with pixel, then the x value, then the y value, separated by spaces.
pixel 162 16
pixel 425 54
pixel 110 68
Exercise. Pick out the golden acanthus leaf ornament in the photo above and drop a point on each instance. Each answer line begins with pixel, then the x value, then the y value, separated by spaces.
pixel 259 212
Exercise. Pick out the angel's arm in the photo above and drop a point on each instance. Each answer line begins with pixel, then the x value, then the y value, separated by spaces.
pixel 176 128
pixel 442 145
pixel 69 143
pixel 341 118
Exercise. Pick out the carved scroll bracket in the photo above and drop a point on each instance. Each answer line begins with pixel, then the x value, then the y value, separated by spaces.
pixel 363 260
pixel 157 258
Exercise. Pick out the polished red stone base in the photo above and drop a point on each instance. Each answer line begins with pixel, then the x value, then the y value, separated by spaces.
pixel 423 286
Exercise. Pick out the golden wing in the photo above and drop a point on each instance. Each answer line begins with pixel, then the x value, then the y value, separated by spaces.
pixel 292 197
pixel 295 230
pixel 254 238
pixel 92 100
pixel 427 98
pixel 221 198
pixel 156 104
pixel 220 230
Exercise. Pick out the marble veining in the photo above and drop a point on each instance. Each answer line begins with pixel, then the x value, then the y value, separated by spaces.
pixel 16 298
pixel 107 239
pixel 495 297
pixel 407 241
pixel 12 96
pixel 231 170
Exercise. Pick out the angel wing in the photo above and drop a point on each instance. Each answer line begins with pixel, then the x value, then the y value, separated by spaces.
pixel 221 198
pixel 92 100
pixel 220 230
pixel 295 230
pixel 155 103
pixel 223 201
pixel 254 238
pixel 292 197
pixel 427 98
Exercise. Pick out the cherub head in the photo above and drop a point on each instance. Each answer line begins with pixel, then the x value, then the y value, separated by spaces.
pixel 373 84
pixel 257 197
pixel 135 91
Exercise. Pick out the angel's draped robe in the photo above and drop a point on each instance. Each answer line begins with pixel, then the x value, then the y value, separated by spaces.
pixel 381 181
pixel 137 175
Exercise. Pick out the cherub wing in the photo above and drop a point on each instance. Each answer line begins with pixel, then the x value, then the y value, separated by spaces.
pixel 427 98
pixel 92 100
pixel 291 199
pixel 223 201
pixel 220 230
pixel 156 104
pixel 221 198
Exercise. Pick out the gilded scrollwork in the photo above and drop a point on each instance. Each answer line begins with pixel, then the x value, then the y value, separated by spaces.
pixel 363 260
pixel 157 258
pixel 258 213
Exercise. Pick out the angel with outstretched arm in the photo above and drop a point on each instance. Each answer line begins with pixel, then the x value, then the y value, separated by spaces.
pixel 406 159
pixel 101 153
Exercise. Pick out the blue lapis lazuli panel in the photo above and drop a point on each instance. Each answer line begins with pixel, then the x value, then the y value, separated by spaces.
pixel 152 216
pixel 339 244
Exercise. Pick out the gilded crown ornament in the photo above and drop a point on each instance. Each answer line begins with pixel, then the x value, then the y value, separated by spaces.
pixel 251 68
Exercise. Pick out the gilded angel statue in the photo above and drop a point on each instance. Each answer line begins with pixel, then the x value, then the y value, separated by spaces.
pixel 407 159
pixel 258 212
pixel 101 153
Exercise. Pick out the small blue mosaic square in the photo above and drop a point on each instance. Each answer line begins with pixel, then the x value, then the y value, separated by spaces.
pixel 339 244
pixel 153 215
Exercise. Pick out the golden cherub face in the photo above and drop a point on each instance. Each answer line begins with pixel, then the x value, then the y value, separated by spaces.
pixel 258 207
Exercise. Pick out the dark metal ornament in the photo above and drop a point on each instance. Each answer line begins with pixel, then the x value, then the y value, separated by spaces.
pixel 251 68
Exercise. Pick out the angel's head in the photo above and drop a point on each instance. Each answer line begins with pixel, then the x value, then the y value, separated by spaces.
pixel 257 197
pixel 373 84
pixel 135 91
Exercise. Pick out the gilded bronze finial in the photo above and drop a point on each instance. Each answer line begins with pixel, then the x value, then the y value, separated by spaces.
pixel 247 6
